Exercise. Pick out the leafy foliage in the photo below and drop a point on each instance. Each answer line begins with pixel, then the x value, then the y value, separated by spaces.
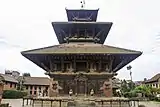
pixel 26 74
pixel 20 85
pixel 127 87
pixel 13 94
pixel 145 90
pixel 129 90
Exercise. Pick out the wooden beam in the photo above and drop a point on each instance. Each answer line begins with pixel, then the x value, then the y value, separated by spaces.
pixel 51 65
pixel 120 64
pixel 99 33
pixel 45 67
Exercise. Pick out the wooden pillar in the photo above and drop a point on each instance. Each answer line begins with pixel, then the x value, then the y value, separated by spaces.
pixel 111 103
pixel 30 101
pixel 76 88
pixel 102 103
pixel 62 64
pixel 59 103
pixel 85 33
pixel 51 65
pixel 87 66
pixel 120 103
pixel 23 103
pixel 100 63
pixel 51 103
pixel 33 103
pixel 85 87
pixel 74 64
pixel 78 33
pixel 42 104
pixel 97 88
pixel 134 104
pixel 70 66
pixel 70 32
pixel 111 63
pixel 91 66
pixel 27 101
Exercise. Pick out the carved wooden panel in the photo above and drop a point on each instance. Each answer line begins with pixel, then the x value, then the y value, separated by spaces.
pixel 81 77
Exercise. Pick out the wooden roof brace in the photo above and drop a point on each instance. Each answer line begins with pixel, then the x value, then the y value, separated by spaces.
pixel 120 64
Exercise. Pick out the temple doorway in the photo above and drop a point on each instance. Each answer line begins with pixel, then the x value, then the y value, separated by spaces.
pixel 81 84
pixel 81 87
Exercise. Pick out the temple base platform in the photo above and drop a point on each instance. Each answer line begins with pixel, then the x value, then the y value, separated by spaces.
pixel 79 101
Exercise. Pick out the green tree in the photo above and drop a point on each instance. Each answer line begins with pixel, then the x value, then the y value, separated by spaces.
pixel 145 90
pixel 26 74
pixel 20 85
pixel 127 88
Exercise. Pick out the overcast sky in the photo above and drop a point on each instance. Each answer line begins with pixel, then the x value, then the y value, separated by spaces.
pixel 26 24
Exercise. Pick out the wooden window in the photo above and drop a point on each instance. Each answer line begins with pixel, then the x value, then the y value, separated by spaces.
pixel 58 67
pixel 10 85
pixel 35 92
pixel 46 88
pixel 31 87
pixel 97 66
pixel 81 66
pixel 30 92
pixel 35 87
pixel 27 87
pixel 39 87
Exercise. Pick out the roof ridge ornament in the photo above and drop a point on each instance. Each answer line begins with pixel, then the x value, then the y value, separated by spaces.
pixel 82 4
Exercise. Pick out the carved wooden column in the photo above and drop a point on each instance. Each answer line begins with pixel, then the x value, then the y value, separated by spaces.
pixel 70 66
pixel 85 87
pixel 62 64
pixel 91 66
pixel 111 63
pixel 100 63
pixel 74 64
pixel 87 66
pixel 76 87
pixel 51 65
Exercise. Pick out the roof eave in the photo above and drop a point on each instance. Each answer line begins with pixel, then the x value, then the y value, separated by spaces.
pixel 106 29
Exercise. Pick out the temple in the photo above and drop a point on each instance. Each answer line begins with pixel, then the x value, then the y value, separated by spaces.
pixel 81 62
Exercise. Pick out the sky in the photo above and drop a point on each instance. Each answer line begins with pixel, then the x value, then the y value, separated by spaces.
pixel 26 24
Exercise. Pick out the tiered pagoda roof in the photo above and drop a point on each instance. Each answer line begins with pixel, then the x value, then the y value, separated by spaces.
pixel 81 36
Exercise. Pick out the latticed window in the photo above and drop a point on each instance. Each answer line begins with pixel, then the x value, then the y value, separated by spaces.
pixel 58 67
pixel 81 66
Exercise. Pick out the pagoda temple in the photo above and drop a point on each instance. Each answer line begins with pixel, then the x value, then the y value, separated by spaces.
pixel 81 62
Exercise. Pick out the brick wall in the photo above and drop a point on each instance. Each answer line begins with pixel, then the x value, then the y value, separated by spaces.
pixel 10 86
pixel 34 89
